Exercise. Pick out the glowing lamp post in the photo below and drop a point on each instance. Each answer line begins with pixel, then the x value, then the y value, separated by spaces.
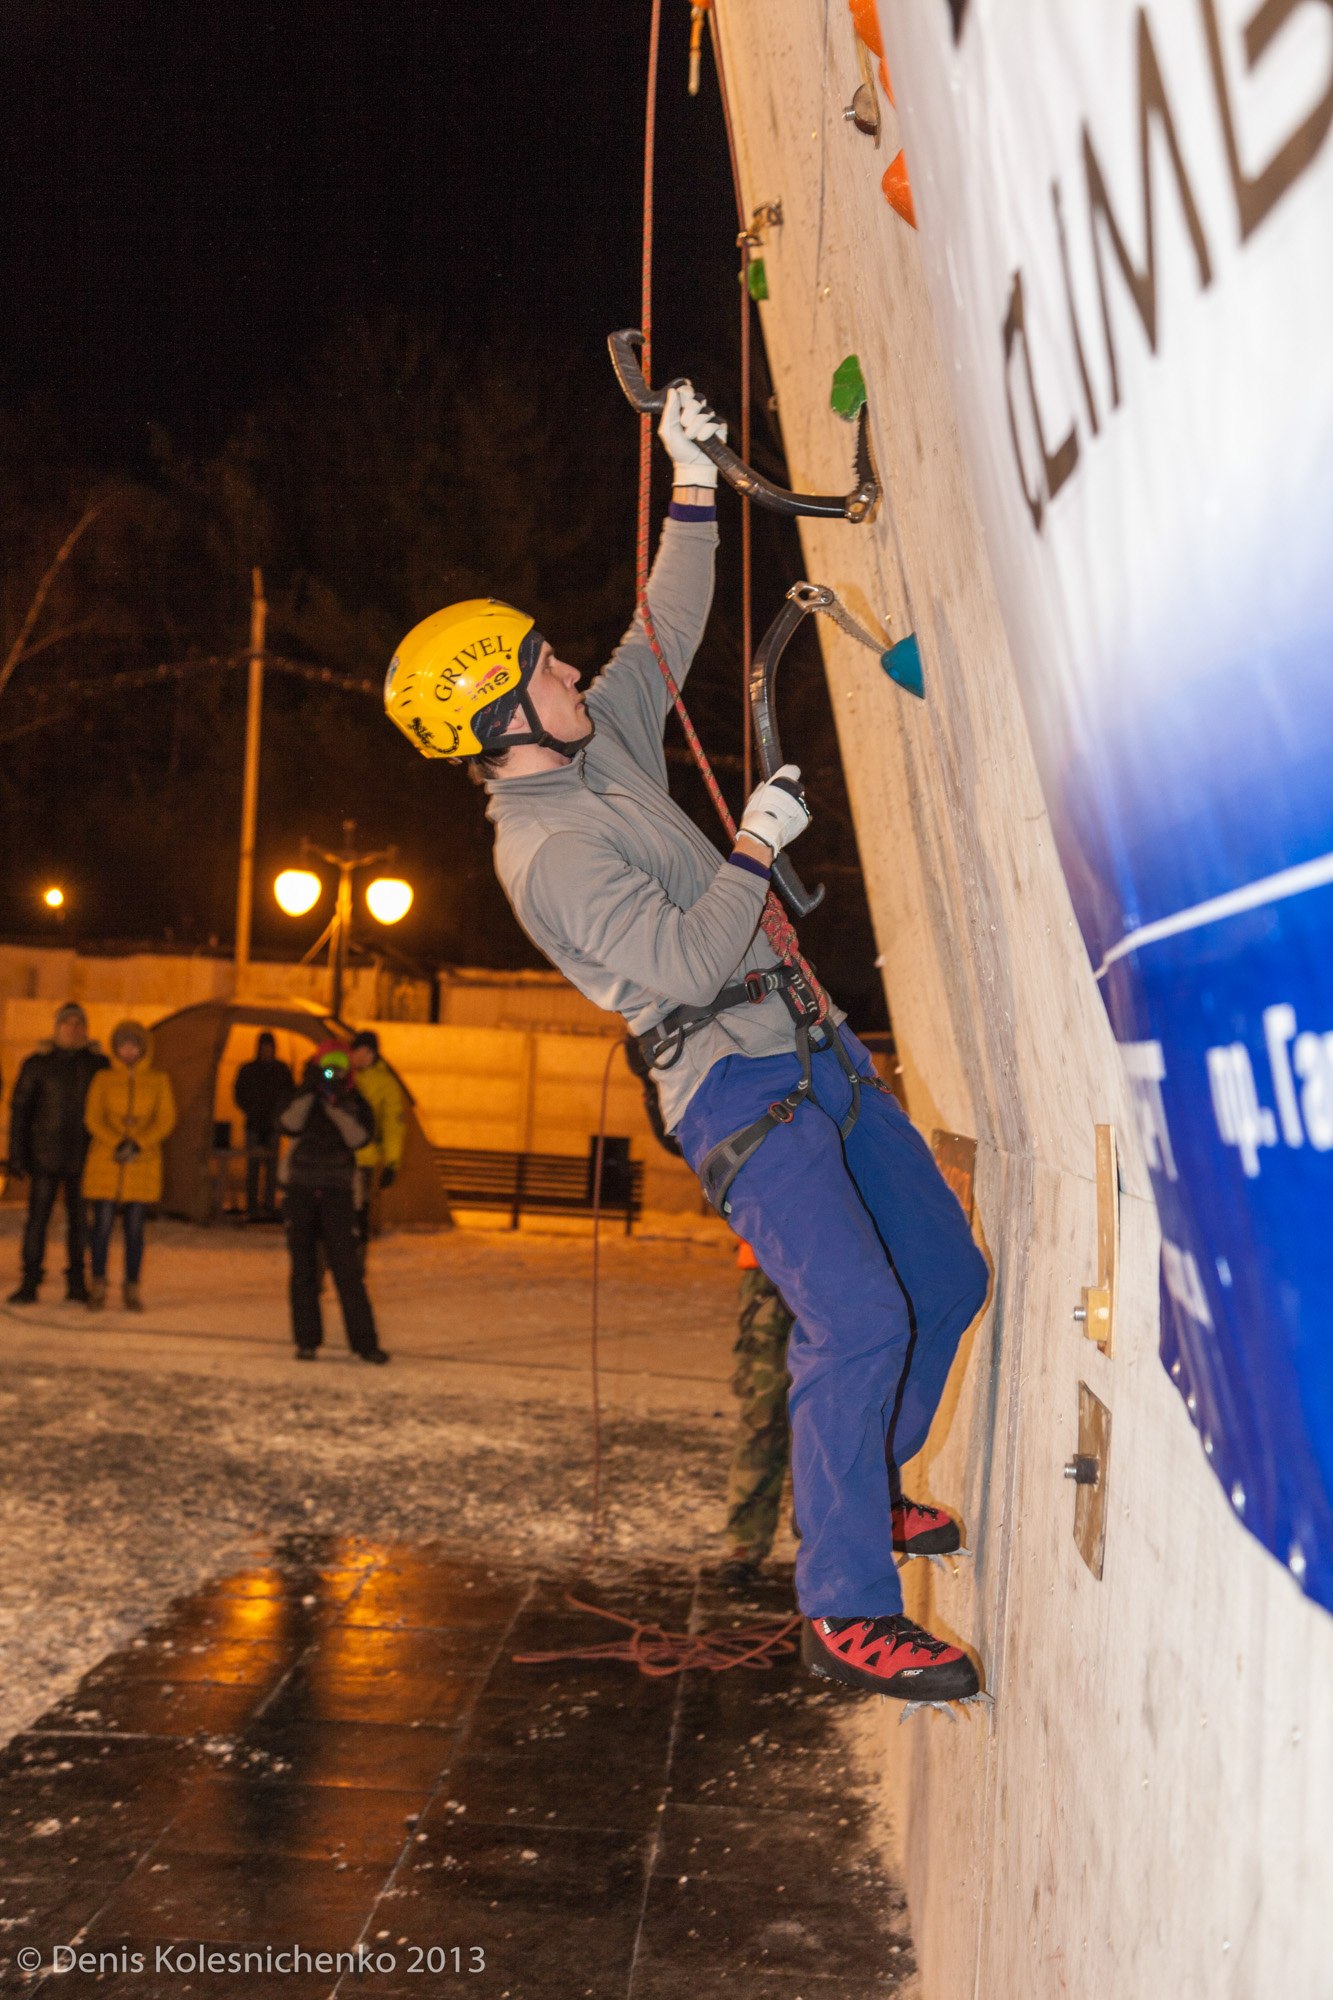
pixel 55 898
pixel 387 898
pixel 296 891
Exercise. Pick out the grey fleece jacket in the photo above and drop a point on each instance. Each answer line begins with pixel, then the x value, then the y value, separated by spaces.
pixel 611 880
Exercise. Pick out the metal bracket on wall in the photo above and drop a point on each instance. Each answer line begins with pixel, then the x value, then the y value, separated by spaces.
pixel 1088 1471
pixel 1096 1315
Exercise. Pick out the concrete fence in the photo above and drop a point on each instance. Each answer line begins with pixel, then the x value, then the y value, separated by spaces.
pixel 498 1089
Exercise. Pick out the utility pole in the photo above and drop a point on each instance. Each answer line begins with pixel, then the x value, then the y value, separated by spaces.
pixel 342 918
pixel 245 877
pixel 347 861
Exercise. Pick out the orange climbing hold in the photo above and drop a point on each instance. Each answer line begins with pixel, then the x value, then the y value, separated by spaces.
pixel 865 19
pixel 898 189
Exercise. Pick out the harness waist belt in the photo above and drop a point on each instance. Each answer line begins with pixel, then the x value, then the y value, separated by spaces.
pixel 661 1046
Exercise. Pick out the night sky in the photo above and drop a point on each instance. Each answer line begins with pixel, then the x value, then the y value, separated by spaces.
pixel 196 199
pixel 195 196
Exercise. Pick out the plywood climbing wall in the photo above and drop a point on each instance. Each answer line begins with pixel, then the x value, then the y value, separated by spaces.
pixel 1147 1808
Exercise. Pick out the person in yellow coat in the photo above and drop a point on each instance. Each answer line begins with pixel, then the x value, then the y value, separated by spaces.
pixel 129 1112
pixel 377 1163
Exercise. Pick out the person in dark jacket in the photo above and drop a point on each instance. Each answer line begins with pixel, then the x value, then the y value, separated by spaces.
pixel 48 1144
pixel 262 1089
pixel 330 1121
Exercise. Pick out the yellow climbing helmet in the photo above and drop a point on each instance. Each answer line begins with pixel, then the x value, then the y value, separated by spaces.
pixel 456 679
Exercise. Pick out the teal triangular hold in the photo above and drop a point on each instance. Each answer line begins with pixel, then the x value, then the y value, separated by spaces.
pixel 902 663
pixel 848 397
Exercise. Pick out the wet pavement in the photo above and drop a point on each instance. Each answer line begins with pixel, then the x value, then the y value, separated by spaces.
pixel 337 1753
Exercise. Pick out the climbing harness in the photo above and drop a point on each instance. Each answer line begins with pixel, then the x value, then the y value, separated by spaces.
pixel 661 1047
pixel 859 505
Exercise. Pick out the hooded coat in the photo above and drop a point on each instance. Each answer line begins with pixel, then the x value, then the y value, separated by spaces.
pixel 124 1103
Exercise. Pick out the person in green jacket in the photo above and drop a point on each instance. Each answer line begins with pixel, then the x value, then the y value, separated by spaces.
pixel 378 1161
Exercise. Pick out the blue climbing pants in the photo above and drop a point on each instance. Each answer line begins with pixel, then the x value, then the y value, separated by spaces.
pixel 874 1256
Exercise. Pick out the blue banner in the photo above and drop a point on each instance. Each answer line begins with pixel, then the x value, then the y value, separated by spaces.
pixel 1127 213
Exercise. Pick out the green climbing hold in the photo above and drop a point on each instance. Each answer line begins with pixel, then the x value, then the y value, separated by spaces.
pixel 756 278
pixel 849 389
pixel 902 663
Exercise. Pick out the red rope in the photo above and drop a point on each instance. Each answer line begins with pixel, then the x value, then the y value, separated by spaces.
pixel 747 563
pixel 658 1653
pixel 775 923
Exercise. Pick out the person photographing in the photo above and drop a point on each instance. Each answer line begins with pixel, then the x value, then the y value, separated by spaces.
pixel 329 1120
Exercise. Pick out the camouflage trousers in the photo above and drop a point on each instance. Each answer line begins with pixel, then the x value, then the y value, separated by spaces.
pixel 760 1384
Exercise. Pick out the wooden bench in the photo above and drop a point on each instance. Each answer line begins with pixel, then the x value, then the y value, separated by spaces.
pixel 542 1183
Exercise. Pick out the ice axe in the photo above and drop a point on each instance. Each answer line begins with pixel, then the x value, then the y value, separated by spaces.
pixel 858 505
pixel 763 676
pixel 902 662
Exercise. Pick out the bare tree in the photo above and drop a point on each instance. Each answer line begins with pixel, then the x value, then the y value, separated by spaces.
pixel 24 646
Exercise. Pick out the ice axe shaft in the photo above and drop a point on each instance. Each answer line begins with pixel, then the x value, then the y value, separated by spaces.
pixel 763 675
pixel 858 505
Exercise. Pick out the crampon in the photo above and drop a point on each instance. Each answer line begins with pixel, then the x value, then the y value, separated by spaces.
pixel 922 1530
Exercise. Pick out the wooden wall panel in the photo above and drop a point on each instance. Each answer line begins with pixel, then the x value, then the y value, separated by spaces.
pixel 1146 1809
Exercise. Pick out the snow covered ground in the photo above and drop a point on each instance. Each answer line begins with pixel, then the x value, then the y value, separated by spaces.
pixel 145 1453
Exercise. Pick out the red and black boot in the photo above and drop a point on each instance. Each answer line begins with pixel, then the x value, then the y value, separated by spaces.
pixel 919 1530
pixel 888 1656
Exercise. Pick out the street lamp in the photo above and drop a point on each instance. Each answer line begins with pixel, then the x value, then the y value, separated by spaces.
pixel 54 898
pixel 298 890
pixel 388 899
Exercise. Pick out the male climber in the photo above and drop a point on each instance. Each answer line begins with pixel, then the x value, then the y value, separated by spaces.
pixel 779 1113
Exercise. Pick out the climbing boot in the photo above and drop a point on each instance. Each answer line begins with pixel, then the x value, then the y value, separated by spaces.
pixel 76 1292
pixel 888 1656
pixel 26 1295
pixel 96 1294
pixel 133 1298
pixel 919 1530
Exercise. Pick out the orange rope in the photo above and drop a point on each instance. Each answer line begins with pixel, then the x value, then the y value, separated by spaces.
pixel 599 1156
pixel 658 1653
pixel 747 556
pixel 775 923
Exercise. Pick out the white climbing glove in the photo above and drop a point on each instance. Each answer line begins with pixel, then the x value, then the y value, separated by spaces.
pixel 776 811
pixel 686 422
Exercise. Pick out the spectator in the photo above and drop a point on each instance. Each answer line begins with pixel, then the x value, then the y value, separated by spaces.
pixel 262 1089
pixel 377 1163
pixel 48 1143
pixel 330 1121
pixel 130 1111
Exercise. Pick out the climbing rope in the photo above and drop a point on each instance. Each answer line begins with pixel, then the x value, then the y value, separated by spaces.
pixel 658 1653
pixel 775 923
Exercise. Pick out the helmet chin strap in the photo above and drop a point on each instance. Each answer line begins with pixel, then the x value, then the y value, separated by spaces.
pixel 538 736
